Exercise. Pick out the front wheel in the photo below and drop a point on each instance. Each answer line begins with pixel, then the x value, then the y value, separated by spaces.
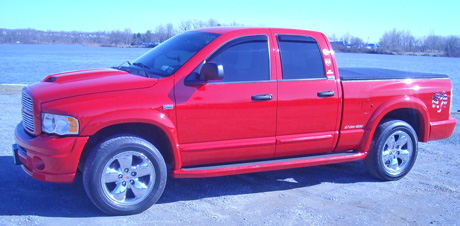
pixel 393 150
pixel 124 175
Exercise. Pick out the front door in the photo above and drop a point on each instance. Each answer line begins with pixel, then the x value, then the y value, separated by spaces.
pixel 233 119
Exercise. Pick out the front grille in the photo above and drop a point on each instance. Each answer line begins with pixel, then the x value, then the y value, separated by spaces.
pixel 28 112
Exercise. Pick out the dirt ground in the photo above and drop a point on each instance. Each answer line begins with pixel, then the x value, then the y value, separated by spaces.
pixel 340 194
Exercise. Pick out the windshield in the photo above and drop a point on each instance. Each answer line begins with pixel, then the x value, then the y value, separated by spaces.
pixel 165 59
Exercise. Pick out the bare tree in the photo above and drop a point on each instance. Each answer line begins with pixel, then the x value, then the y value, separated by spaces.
pixel 127 36
pixel 185 25
pixel 213 23
pixel 159 35
pixel 408 41
pixel 452 46
pixel 169 30
pixel 346 38
pixel 333 37
pixel 433 43
pixel 391 41
pixel 234 24
pixel 148 37
pixel 197 24
pixel 356 42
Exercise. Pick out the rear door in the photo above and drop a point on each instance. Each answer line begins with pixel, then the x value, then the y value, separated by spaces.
pixel 308 102
pixel 233 119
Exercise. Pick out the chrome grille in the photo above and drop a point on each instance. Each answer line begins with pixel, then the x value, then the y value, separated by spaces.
pixel 28 112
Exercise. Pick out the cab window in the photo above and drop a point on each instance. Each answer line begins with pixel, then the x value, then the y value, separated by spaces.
pixel 244 59
pixel 300 57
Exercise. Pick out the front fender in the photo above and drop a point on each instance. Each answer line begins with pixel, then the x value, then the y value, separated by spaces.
pixel 402 102
pixel 146 116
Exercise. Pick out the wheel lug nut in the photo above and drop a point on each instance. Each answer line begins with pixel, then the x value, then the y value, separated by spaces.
pixel 133 174
pixel 126 170
pixel 131 181
pixel 120 176
pixel 123 183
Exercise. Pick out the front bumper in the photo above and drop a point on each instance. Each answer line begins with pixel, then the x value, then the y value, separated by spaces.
pixel 48 157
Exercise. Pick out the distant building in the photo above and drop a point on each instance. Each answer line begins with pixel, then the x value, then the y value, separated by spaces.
pixel 372 46
pixel 338 43
pixel 341 45
pixel 148 44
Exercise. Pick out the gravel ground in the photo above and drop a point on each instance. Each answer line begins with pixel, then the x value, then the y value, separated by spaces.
pixel 341 194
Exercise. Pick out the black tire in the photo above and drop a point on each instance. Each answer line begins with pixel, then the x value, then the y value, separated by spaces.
pixel 124 175
pixel 388 160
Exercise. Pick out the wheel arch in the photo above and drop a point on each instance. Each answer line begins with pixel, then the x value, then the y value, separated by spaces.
pixel 409 109
pixel 159 134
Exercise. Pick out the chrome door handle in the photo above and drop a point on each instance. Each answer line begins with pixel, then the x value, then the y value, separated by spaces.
pixel 329 93
pixel 262 97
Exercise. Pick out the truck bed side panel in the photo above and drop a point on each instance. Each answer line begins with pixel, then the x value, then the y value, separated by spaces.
pixel 366 102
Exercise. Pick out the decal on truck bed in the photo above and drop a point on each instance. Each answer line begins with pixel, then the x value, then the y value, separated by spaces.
pixel 439 101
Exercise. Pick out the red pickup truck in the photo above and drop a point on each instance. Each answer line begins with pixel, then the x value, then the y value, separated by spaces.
pixel 224 101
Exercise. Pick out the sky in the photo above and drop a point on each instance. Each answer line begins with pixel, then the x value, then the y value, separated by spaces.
pixel 367 20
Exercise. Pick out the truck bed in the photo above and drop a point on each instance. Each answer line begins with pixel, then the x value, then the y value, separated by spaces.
pixel 382 74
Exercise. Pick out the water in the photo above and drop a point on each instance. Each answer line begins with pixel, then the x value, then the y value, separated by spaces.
pixel 25 64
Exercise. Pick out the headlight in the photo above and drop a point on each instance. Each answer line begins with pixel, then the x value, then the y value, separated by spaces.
pixel 59 124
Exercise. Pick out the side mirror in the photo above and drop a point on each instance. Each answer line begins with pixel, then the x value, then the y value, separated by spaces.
pixel 211 71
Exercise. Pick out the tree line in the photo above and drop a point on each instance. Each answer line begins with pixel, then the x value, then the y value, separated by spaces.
pixel 401 42
pixel 392 42
pixel 119 38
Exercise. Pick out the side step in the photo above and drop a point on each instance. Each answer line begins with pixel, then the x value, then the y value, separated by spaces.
pixel 267 165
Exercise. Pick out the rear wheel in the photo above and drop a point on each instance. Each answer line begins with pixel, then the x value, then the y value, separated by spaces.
pixel 124 175
pixel 393 150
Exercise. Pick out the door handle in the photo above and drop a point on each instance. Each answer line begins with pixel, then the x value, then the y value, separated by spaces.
pixel 329 93
pixel 262 97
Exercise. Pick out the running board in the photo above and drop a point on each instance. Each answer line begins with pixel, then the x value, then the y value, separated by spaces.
pixel 267 165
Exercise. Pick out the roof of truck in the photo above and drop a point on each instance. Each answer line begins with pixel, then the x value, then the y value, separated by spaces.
pixel 223 30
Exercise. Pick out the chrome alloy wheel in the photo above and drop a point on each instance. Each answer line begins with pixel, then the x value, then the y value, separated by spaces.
pixel 397 153
pixel 128 178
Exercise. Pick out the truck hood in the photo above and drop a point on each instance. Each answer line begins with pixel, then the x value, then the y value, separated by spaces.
pixel 77 83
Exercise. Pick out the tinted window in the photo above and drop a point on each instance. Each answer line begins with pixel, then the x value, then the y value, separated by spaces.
pixel 168 57
pixel 300 57
pixel 244 59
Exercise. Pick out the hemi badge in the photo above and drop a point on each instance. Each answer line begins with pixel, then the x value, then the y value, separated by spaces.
pixel 168 107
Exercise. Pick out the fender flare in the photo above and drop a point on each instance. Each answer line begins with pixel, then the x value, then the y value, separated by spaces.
pixel 402 102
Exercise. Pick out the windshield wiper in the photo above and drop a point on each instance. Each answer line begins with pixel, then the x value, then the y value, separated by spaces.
pixel 149 72
pixel 141 65
pixel 120 67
